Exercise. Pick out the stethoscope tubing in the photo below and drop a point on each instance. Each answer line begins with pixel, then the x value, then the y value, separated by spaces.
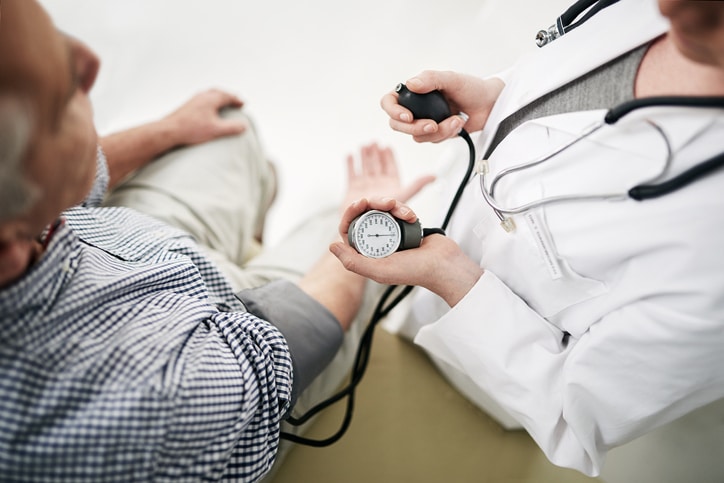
pixel 649 189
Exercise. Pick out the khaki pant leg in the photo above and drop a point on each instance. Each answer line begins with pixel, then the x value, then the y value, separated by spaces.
pixel 218 192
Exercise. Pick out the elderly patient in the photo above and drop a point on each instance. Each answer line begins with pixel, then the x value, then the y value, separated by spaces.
pixel 126 353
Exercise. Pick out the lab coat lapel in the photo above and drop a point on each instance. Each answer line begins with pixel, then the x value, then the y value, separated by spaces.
pixel 608 34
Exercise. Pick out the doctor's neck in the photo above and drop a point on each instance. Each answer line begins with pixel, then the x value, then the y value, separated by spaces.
pixel 665 70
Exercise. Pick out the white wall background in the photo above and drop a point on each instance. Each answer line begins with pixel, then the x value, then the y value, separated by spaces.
pixel 311 73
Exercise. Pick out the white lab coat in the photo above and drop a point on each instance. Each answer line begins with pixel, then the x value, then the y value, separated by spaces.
pixel 638 285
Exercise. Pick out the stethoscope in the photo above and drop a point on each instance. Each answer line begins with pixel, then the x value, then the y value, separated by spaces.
pixel 652 188
pixel 567 21
pixel 433 106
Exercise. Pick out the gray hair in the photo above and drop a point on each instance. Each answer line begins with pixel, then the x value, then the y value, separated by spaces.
pixel 17 193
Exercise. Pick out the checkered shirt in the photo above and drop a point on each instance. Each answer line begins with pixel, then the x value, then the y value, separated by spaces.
pixel 125 356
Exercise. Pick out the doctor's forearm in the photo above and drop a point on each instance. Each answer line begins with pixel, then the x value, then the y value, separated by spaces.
pixel 454 288
pixel 455 278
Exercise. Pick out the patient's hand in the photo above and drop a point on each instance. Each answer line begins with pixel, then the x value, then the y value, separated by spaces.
pixel 198 120
pixel 376 176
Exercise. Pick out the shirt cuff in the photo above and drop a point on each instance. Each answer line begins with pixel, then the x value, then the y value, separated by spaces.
pixel 312 333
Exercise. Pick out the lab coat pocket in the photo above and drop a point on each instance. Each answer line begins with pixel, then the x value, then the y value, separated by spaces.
pixel 557 162
pixel 527 261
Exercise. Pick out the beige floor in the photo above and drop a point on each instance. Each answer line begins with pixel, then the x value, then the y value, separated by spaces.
pixel 411 426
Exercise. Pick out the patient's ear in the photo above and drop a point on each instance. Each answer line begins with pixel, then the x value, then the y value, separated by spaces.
pixel 17 251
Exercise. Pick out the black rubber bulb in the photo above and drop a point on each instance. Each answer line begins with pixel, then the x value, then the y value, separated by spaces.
pixel 423 106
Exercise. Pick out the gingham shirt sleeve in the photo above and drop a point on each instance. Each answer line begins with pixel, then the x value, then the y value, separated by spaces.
pixel 118 365
pixel 312 333
pixel 222 420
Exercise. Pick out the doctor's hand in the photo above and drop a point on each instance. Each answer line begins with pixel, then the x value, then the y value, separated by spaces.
pixel 464 93
pixel 438 265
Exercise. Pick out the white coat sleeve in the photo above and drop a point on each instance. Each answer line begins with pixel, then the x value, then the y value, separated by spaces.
pixel 632 371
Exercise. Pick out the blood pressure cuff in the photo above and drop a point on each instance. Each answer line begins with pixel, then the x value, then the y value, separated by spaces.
pixel 312 333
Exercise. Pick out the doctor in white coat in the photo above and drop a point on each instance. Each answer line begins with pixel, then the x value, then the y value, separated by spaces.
pixel 594 321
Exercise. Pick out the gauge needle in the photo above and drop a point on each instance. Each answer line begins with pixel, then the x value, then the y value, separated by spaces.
pixel 380 234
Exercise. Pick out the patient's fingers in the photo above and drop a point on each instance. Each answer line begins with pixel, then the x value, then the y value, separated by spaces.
pixel 371 160
pixel 388 163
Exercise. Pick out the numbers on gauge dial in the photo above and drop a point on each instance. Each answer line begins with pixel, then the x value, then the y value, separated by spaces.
pixel 377 234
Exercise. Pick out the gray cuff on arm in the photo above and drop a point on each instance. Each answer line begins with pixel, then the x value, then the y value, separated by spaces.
pixel 312 333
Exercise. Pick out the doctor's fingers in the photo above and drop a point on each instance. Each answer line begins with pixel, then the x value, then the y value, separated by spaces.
pixel 421 130
pixel 353 211
pixel 353 261
pixel 416 266
pixel 395 207
pixel 392 107
pixel 447 129
pixel 391 205
pixel 381 270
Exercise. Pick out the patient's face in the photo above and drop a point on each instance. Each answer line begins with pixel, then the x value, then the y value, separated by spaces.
pixel 52 74
pixel 697 28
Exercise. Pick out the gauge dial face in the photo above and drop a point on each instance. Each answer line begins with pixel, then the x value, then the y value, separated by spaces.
pixel 375 234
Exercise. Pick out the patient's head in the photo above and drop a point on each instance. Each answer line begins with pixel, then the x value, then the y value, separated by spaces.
pixel 47 138
pixel 47 120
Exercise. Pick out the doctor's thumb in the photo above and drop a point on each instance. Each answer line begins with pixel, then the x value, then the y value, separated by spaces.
pixel 346 255
pixel 417 85
pixel 430 80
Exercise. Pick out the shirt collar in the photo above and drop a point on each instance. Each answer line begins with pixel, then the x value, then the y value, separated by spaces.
pixel 38 288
